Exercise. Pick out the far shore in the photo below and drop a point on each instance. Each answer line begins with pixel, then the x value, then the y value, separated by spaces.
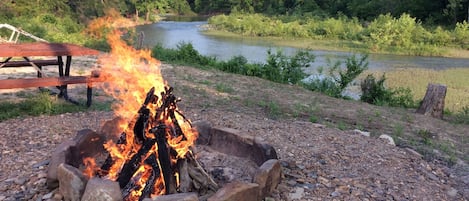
pixel 328 45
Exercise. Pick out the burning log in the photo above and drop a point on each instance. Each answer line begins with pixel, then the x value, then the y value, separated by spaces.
pixel 155 155
pixel 164 159
pixel 155 173
pixel 129 168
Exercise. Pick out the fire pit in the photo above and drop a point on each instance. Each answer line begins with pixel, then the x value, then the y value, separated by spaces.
pixel 243 168
pixel 152 151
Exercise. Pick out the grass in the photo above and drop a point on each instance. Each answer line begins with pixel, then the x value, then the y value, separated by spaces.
pixel 44 104
pixel 417 80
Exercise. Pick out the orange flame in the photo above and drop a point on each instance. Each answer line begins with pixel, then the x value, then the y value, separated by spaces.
pixel 129 74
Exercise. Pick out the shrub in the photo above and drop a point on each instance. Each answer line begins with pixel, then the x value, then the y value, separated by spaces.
pixel 283 69
pixel 334 83
pixel 374 92
pixel 353 69
pixel 323 84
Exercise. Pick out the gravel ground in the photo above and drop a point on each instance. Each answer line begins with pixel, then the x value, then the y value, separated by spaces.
pixel 320 162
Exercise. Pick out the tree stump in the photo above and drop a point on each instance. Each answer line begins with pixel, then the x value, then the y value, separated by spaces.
pixel 434 101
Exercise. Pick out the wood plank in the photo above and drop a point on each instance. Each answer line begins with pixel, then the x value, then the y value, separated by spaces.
pixel 44 49
pixel 26 63
pixel 47 81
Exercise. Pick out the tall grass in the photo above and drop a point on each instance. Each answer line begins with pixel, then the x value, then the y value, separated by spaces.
pixel 403 35
pixel 417 80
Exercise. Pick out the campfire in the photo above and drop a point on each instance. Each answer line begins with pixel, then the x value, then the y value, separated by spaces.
pixel 153 153
pixel 154 157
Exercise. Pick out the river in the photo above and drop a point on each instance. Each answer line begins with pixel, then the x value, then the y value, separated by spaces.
pixel 171 33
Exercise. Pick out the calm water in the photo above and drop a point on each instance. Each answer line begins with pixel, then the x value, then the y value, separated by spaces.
pixel 171 33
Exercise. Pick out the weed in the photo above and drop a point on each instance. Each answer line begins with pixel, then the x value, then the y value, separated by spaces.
pixel 426 136
pixel 462 117
pixel 313 119
pixel 224 88
pixel 341 125
pixel 272 108
pixel 398 130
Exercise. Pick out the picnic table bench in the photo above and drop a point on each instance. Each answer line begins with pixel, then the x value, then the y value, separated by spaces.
pixel 8 51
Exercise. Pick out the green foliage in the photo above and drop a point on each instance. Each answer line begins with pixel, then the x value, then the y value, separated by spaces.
pixel 224 88
pixel 462 117
pixel 43 104
pixel 337 79
pixel 401 33
pixel 278 68
pixel 374 92
pixel 426 136
pixel 283 69
pixel 325 85
pixel 353 69
pixel 404 34
pixel 184 54
pixel 240 65
pixel 461 34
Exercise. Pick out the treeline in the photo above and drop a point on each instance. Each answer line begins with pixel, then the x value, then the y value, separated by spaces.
pixel 441 12
pixel 437 12
pixel 403 35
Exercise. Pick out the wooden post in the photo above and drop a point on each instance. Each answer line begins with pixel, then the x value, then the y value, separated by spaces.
pixel 141 37
pixel 434 101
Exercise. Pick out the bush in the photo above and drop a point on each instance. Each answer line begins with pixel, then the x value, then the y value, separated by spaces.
pixel 283 69
pixel 374 92
pixel 239 65
pixel 334 83
pixel 325 85
pixel 184 54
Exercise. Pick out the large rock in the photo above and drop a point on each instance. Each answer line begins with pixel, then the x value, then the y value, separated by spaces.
pixel 88 144
pixel 71 182
pixel 173 197
pixel 232 142
pixel 268 177
pixel 59 156
pixel 98 189
pixel 237 191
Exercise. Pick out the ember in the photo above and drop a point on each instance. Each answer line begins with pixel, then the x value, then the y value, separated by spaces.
pixel 153 154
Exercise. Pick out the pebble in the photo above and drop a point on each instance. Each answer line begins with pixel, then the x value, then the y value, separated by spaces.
pixel 335 194
pixel 47 196
pixel 452 192
pixel 20 181
pixel 297 194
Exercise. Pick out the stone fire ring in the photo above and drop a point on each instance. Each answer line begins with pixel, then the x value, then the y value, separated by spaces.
pixel 63 172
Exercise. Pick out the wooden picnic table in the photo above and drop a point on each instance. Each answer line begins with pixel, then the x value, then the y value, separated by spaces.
pixel 8 51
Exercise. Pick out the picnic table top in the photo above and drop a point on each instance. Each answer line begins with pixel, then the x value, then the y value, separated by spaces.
pixel 44 49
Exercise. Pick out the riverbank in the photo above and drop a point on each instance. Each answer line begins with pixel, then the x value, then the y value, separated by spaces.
pixel 328 45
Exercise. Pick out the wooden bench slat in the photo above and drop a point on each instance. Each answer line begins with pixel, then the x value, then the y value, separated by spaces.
pixel 46 81
pixel 26 63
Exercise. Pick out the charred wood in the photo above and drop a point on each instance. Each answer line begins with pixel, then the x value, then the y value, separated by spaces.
pixel 132 165
pixel 141 124
pixel 164 159
pixel 104 170
pixel 155 173
pixel 127 189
